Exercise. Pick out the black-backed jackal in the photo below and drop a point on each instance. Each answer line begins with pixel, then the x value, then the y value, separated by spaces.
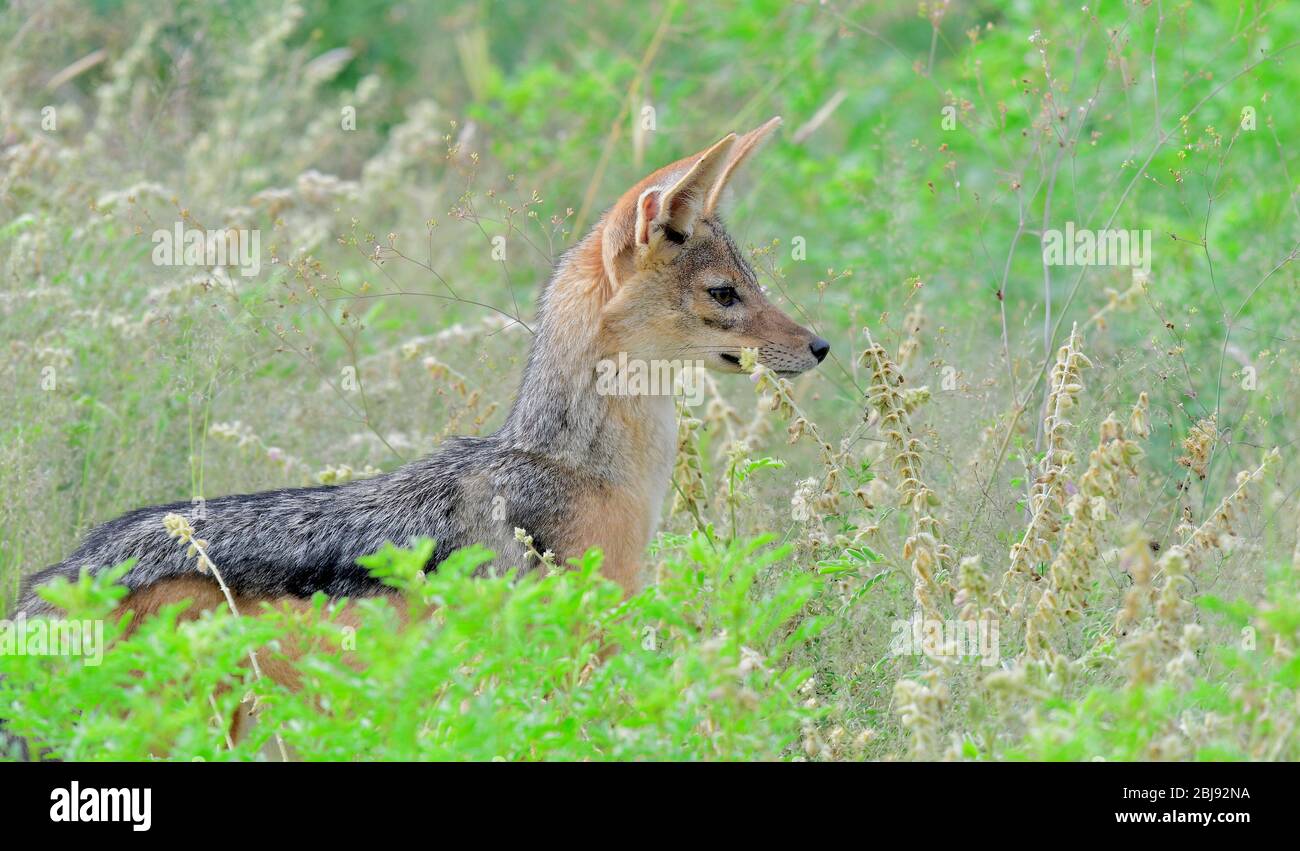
pixel 656 279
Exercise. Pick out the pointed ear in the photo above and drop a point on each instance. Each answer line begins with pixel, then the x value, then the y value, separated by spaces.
pixel 674 209
pixel 739 153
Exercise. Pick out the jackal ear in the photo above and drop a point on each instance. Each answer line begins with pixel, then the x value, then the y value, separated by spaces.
pixel 739 153
pixel 675 209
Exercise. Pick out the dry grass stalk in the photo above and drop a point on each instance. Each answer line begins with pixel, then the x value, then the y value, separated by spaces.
pixel 1047 497
pixel 923 548
pixel 1154 621
pixel 180 528
pixel 921 704
pixel 908 350
pixel 1219 529
pixel 1199 445
pixel 688 473
pixel 1090 509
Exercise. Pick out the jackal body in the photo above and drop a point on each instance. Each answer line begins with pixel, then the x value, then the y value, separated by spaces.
pixel 656 278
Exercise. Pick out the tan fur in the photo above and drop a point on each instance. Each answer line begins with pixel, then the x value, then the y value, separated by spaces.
pixel 203 594
pixel 616 520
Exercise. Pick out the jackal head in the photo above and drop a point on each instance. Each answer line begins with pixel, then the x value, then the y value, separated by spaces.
pixel 679 287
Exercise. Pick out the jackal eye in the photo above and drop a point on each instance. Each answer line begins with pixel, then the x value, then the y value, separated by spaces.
pixel 725 296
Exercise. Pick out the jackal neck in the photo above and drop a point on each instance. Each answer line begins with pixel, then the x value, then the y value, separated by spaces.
pixel 558 411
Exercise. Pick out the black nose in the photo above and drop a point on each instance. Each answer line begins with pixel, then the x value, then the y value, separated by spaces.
pixel 820 348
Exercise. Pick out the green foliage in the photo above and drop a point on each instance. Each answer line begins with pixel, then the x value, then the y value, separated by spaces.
pixel 556 667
